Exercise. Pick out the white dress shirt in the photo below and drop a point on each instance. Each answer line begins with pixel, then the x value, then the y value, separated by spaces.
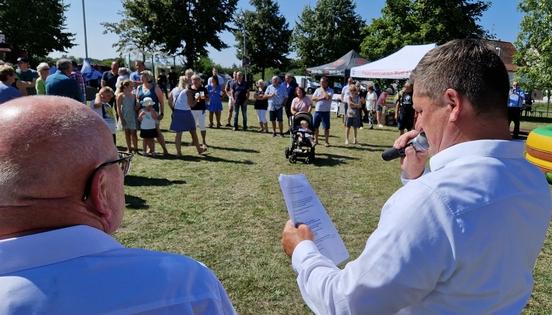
pixel 461 239
pixel 81 270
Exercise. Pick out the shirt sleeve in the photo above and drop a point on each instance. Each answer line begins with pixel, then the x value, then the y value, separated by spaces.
pixel 402 262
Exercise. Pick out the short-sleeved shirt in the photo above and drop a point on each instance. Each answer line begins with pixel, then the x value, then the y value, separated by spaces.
pixel 516 98
pixel 200 105
pixel 135 77
pixel 219 78
pixel 240 91
pixel 61 85
pixel 323 105
pixel 110 79
pixel 301 105
pixel 277 101
pixel 406 103
pixel 8 92
pixel 29 75
pixel 261 104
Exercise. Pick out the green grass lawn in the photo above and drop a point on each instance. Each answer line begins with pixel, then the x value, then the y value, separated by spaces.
pixel 226 209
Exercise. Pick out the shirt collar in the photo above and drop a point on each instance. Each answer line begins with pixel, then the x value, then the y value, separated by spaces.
pixel 502 149
pixel 35 250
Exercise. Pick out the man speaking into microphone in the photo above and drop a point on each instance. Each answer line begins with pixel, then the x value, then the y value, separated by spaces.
pixel 463 235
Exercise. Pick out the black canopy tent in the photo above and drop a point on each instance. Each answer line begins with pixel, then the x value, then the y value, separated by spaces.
pixel 339 68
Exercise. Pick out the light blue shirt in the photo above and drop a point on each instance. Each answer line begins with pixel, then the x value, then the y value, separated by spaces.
pixel 277 101
pixel 323 105
pixel 516 98
pixel 81 270
pixel 461 239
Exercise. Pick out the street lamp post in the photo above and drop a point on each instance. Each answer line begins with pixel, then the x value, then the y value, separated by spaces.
pixel 85 37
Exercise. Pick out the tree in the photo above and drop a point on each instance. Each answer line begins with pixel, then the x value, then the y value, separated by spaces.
pixel 184 27
pixel 267 36
pixel 534 44
pixel 405 22
pixel 34 27
pixel 327 31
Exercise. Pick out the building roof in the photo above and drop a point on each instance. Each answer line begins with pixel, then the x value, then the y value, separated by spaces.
pixel 505 51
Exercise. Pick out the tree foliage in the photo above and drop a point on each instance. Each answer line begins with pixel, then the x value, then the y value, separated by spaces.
pixel 406 22
pixel 327 31
pixel 534 44
pixel 34 27
pixel 184 27
pixel 267 36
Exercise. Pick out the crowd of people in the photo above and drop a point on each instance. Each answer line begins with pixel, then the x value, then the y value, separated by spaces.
pixel 460 237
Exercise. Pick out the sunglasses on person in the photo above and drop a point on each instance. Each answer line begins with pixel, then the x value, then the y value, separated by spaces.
pixel 124 163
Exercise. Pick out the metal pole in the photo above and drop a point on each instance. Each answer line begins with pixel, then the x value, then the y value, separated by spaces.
pixel 243 58
pixel 85 37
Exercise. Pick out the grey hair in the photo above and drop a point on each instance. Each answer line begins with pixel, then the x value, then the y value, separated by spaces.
pixel 64 64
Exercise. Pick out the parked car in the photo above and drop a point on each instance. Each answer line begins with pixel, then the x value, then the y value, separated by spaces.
pixel 308 83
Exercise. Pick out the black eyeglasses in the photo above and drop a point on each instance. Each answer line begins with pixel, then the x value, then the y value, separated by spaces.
pixel 124 163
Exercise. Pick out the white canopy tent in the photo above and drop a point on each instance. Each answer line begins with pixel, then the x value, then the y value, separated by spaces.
pixel 398 65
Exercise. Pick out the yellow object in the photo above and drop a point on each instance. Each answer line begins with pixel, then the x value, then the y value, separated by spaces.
pixel 539 148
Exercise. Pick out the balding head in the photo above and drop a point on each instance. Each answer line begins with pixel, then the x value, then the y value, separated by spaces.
pixel 48 148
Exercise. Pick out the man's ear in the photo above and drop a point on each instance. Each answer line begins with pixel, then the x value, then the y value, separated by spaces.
pixel 99 195
pixel 453 99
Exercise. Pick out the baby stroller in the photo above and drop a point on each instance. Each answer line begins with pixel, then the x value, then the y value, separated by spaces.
pixel 302 139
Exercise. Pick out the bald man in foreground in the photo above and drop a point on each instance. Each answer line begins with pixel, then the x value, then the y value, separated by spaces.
pixel 61 195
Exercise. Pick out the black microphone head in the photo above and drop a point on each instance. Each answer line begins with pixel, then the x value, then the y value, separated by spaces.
pixel 392 153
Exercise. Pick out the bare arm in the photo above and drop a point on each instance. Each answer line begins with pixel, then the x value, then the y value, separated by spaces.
pixel 97 101
pixel 161 99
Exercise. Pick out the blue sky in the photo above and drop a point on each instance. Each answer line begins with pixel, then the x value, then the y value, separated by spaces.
pixel 501 19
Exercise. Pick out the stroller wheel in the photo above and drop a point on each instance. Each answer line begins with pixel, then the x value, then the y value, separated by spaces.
pixel 308 160
pixel 293 158
pixel 287 152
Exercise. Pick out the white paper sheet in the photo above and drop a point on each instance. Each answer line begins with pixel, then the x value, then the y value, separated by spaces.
pixel 304 207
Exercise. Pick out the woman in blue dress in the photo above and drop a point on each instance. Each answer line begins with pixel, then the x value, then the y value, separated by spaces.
pixel 215 101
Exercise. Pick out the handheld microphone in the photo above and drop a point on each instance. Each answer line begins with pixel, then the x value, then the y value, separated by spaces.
pixel 419 144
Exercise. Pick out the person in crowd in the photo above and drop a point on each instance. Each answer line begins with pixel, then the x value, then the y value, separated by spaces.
pixel 198 110
pixel 162 82
pixel 123 74
pixel 60 84
pixel 173 78
pixel 290 84
pixel 109 78
pixel 214 73
pixel 127 107
pixel 56 250
pixel 182 82
pixel 77 76
pixel 108 111
pixel 371 99
pixel 261 105
pixel 148 88
pixel 515 103
pixel 183 119
pixel 528 106
pixel 381 107
pixel 215 100
pixel 344 97
pixel 240 94
pixel 26 77
pixel 364 114
pixel 43 70
pixel 189 73
pixel 136 76
pixel 322 97
pixel 148 118
pixel 7 78
pixel 231 101
pixel 404 109
pixel 461 237
pixel 276 94
pixel 301 103
pixel 353 113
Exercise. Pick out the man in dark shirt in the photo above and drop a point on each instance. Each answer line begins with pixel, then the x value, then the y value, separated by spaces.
pixel 404 112
pixel 26 77
pixel 61 84
pixel 240 93
pixel 173 78
pixel 109 78
pixel 290 84
pixel 162 82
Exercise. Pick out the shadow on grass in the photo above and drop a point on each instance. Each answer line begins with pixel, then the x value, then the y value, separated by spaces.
pixel 234 149
pixel 362 147
pixel 327 159
pixel 210 158
pixel 133 202
pixel 132 180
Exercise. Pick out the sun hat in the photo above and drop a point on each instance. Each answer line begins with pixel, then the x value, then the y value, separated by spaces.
pixel 147 102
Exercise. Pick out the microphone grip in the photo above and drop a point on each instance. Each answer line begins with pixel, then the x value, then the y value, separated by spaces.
pixel 391 154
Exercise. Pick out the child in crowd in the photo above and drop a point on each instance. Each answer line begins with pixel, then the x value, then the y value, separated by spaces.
pixel 352 117
pixel 304 133
pixel 148 131
pixel 127 108
pixel 108 112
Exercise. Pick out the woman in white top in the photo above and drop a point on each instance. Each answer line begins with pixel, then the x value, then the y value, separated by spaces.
pixel 371 98
pixel 182 119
